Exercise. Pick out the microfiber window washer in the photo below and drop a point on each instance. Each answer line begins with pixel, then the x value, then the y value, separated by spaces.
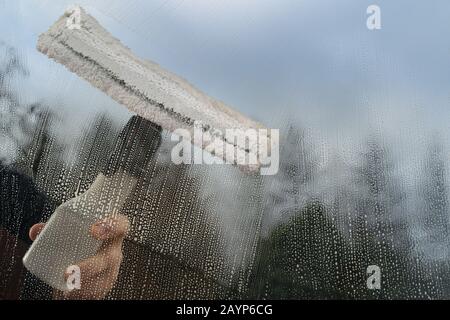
pixel 156 95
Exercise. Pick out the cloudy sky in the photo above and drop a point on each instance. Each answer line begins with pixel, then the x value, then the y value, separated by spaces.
pixel 310 61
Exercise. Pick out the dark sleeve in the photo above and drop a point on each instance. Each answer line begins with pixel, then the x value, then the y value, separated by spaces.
pixel 21 206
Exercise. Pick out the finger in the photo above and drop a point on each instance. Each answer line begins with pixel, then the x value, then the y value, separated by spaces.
pixel 91 267
pixel 98 275
pixel 100 263
pixel 111 228
pixel 35 230
pixel 94 287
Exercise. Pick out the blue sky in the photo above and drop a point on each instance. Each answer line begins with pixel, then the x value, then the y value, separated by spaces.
pixel 313 62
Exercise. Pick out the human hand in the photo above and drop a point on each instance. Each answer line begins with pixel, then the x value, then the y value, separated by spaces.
pixel 99 272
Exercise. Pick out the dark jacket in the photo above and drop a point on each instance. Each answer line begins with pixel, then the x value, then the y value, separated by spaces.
pixel 21 206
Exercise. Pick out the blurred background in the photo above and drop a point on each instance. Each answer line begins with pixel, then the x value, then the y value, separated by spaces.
pixel 364 156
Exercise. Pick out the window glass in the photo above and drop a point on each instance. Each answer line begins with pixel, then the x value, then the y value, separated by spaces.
pixel 359 205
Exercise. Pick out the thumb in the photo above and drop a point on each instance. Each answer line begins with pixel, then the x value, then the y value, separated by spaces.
pixel 112 228
pixel 35 230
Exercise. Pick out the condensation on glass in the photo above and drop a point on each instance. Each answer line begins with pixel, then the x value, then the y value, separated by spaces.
pixel 333 223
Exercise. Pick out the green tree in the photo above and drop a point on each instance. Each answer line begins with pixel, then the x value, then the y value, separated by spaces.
pixel 382 232
pixel 433 219
pixel 305 258
pixel 435 212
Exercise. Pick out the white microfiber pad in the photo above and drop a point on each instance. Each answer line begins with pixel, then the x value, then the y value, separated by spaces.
pixel 144 87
